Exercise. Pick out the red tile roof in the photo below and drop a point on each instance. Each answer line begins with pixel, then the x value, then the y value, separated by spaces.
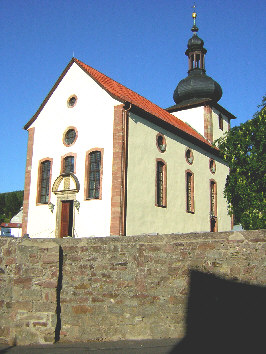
pixel 123 94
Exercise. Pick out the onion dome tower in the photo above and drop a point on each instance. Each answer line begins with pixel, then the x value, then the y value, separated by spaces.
pixel 197 86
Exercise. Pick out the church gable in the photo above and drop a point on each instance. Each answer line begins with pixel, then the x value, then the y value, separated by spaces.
pixel 73 84
pixel 68 137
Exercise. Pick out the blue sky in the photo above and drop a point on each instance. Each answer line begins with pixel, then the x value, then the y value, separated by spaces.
pixel 140 44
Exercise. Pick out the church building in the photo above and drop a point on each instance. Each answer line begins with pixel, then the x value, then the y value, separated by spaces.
pixel 103 160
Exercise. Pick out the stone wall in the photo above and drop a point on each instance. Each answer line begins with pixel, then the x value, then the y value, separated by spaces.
pixel 112 288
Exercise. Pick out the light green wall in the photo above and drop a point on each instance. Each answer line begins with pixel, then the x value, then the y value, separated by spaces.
pixel 142 214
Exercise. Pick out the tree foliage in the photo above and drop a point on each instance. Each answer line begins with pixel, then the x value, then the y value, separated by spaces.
pixel 243 148
pixel 10 204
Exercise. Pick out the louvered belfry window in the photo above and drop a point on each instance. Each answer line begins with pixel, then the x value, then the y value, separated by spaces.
pixel 45 182
pixel 69 164
pixel 94 175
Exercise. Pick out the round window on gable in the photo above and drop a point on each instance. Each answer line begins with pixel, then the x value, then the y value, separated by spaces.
pixel 212 166
pixel 189 156
pixel 72 100
pixel 160 142
pixel 70 136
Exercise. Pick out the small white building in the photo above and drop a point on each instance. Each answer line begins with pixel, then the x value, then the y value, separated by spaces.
pixel 103 160
pixel 14 227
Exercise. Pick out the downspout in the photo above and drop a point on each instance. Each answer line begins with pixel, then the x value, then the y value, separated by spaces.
pixel 124 156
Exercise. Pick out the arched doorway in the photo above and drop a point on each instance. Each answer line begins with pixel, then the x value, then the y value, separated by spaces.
pixel 65 187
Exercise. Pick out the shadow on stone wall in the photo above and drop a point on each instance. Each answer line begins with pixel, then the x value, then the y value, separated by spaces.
pixel 58 296
pixel 223 317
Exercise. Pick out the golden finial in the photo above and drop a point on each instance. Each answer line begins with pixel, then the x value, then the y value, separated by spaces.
pixel 194 29
pixel 194 15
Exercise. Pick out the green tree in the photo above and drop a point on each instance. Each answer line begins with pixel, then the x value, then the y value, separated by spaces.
pixel 243 148
pixel 10 204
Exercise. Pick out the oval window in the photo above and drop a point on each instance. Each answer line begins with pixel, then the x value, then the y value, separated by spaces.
pixel 160 142
pixel 70 136
pixel 72 101
pixel 212 166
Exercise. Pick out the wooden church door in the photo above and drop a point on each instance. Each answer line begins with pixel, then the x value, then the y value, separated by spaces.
pixel 66 218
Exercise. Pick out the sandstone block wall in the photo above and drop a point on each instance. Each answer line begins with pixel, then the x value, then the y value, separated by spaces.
pixel 112 288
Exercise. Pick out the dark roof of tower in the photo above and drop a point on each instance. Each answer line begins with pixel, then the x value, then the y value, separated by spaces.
pixel 197 86
pixel 195 43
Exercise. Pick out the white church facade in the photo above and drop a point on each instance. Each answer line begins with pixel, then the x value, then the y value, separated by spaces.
pixel 115 163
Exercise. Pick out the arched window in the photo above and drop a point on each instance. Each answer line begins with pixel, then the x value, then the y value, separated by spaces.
pixel 68 164
pixel 94 170
pixel 44 181
pixel 213 206
pixel 190 192
pixel 161 183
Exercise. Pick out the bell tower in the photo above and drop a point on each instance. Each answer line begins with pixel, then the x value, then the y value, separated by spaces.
pixel 197 86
